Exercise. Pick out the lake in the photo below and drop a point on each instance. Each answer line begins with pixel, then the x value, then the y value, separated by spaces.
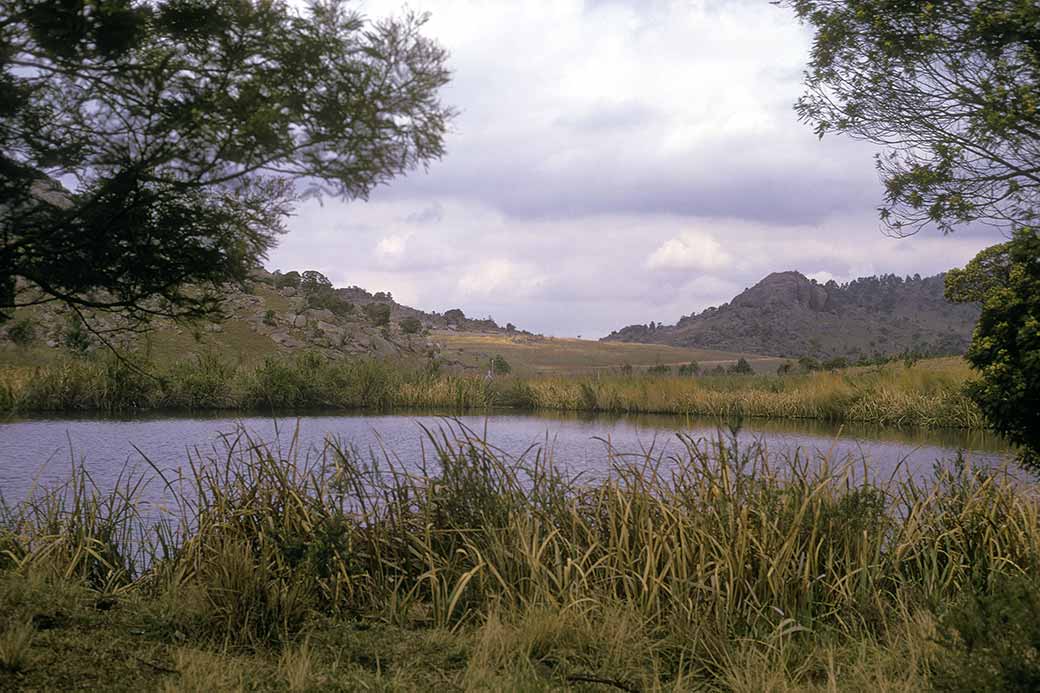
pixel 42 450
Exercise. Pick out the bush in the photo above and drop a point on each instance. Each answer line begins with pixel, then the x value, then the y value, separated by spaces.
pixel 499 366
pixel 990 642
pixel 410 325
pixel 269 318
pixel 75 338
pixel 378 314
pixel 22 332
pixel 836 363
pixel 659 369
pixel 691 368
pixel 741 367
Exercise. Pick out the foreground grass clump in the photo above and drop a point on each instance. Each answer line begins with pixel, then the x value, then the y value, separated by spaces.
pixel 929 394
pixel 717 567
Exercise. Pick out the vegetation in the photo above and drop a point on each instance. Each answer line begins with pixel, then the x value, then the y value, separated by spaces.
pixel 410 325
pixel 949 88
pixel 185 124
pixel 789 315
pixel 718 567
pixel 929 394
pixel 1006 347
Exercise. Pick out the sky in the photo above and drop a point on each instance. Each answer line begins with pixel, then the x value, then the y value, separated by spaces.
pixel 614 162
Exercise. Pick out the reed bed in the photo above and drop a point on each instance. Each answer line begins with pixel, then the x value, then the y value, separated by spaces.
pixel 688 565
pixel 925 395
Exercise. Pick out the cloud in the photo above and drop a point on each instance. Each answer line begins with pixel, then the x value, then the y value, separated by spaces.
pixel 644 163
pixel 500 277
pixel 690 250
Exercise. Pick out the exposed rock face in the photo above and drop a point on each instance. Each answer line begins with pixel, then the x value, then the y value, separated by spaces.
pixel 788 314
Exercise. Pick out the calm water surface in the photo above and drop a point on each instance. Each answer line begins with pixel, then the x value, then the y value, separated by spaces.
pixel 41 450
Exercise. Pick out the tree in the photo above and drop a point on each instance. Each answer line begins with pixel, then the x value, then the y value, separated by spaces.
pixel 410 325
pixel 499 366
pixel 1005 348
pixel 378 313
pixel 951 89
pixel 741 367
pixel 184 124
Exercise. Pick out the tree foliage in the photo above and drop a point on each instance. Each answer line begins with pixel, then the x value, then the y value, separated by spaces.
pixel 1006 345
pixel 184 125
pixel 951 89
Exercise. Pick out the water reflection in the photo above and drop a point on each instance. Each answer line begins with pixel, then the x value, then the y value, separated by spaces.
pixel 42 450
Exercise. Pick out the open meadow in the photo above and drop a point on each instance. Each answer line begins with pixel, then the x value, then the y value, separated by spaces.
pixel 531 355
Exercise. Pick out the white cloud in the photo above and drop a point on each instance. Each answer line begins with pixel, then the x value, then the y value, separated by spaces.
pixel 690 250
pixel 643 163
pixel 391 247
pixel 499 277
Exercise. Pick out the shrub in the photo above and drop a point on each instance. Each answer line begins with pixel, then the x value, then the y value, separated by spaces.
pixel 75 338
pixel 991 641
pixel 410 325
pixel 22 332
pixel 378 314
pixel 269 318
pixel 499 366
pixel 836 363
pixel 741 367
pixel 659 369
pixel 691 368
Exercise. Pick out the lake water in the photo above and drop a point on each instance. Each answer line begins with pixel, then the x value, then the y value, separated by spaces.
pixel 42 450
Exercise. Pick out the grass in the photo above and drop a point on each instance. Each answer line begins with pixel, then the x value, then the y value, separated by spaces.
pixel 532 356
pixel 716 568
pixel 928 394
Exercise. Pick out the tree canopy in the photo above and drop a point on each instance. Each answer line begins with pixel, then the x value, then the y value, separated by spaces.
pixel 950 88
pixel 1006 345
pixel 183 127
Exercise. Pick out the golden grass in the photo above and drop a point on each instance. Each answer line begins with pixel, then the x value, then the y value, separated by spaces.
pixel 558 355
pixel 928 394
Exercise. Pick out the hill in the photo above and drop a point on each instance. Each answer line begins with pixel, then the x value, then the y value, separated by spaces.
pixel 789 315
pixel 270 313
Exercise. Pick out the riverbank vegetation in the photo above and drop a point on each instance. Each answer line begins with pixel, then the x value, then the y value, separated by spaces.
pixel 718 568
pixel 927 393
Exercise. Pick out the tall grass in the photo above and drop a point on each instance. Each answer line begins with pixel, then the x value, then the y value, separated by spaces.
pixel 891 395
pixel 692 552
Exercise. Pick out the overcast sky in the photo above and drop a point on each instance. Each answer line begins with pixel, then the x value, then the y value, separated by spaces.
pixel 614 162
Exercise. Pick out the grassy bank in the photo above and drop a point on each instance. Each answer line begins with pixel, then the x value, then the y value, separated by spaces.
pixel 927 394
pixel 715 569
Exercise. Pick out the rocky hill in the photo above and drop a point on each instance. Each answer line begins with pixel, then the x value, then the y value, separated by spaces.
pixel 787 314
pixel 270 313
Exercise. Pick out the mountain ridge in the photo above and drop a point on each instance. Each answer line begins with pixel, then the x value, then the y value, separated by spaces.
pixel 790 315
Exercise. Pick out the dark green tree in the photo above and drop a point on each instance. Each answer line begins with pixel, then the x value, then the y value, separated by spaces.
pixel 378 313
pixel 1005 349
pixel 410 325
pixel 951 89
pixel 184 125
pixel 741 367
pixel 499 366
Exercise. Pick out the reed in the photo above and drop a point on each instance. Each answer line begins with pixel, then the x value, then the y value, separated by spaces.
pixel 929 394
pixel 706 558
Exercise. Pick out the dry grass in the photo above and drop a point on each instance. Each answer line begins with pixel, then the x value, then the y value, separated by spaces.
pixel 562 356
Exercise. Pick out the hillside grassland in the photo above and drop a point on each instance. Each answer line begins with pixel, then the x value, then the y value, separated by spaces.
pixel 714 569
pixel 530 355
